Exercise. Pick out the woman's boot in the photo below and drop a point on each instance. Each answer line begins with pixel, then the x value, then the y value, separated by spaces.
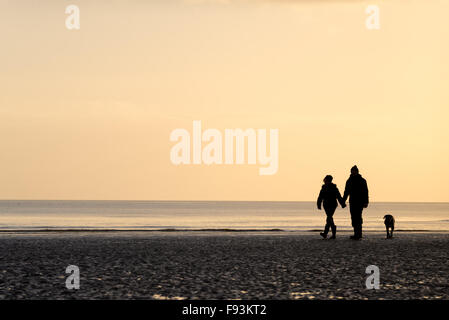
pixel 326 230
pixel 334 232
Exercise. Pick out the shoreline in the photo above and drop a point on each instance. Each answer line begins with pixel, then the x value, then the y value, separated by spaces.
pixel 206 230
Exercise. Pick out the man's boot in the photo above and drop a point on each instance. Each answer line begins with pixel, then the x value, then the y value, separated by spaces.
pixel 358 232
pixel 355 234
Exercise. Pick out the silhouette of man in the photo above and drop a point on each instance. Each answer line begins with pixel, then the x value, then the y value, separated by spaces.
pixel 357 191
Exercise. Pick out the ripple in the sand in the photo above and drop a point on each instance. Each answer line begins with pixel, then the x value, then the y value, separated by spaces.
pixel 161 297
pixel 303 295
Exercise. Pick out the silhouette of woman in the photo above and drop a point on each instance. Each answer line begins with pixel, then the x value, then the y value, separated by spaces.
pixel 329 195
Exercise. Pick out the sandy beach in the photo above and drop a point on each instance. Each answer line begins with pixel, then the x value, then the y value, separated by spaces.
pixel 211 265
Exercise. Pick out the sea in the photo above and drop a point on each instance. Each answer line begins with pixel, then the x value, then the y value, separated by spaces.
pixel 39 215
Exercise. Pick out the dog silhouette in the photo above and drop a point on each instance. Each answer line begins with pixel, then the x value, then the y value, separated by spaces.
pixel 389 225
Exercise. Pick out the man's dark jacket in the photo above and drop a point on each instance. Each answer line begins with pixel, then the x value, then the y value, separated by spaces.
pixel 357 190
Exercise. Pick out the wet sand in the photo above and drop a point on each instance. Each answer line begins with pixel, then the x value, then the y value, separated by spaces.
pixel 211 265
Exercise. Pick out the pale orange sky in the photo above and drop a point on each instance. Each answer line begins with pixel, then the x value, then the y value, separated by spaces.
pixel 87 114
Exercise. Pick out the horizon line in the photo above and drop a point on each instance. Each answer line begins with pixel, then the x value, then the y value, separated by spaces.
pixel 142 200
